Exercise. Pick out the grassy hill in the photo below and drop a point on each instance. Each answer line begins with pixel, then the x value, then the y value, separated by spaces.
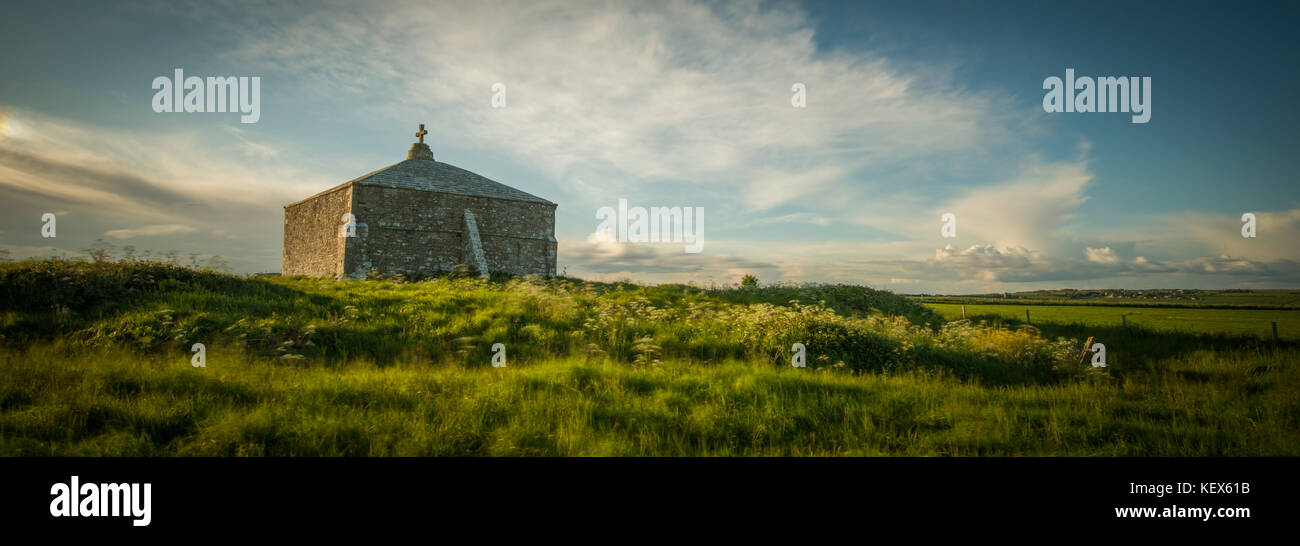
pixel 95 359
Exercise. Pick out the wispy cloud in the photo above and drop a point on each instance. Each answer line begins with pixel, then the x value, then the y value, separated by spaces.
pixel 682 91
pixel 600 259
pixel 150 231
pixel 190 184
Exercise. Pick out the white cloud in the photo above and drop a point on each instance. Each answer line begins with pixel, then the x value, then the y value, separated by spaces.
pixel 796 218
pixel 680 91
pixel 99 179
pixel 1031 210
pixel 1103 255
pixel 150 231
pixel 665 262
pixel 127 172
pixel 1220 234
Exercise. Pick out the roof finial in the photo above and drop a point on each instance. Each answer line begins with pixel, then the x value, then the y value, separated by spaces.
pixel 420 150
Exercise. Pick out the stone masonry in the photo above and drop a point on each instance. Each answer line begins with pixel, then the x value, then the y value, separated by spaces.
pixel 419 217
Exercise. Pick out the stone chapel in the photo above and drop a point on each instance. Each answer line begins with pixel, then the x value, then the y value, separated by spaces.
pixel 416 217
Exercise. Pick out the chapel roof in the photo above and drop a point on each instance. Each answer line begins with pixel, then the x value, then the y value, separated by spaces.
pixel 430 175
pixel 421 172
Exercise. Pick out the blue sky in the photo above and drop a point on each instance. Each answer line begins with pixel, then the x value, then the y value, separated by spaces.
pixel 914 109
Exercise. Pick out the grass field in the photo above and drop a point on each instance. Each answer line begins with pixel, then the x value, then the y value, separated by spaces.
pixel 95 360
pixel 62 402
pixel 1230 299
pixel 1244 322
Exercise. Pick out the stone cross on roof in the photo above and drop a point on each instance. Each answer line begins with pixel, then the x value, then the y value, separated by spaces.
pixel 420 150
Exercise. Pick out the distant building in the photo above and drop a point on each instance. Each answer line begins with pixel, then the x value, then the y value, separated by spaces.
pixel 417 217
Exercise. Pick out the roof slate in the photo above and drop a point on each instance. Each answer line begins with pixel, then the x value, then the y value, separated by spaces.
pixel 425 174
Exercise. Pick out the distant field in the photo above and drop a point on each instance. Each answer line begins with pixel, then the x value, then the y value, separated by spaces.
pixel 1250 322
pixel 1246 299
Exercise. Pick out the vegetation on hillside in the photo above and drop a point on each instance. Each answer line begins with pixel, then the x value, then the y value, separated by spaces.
pixel 95 359
pixel 157 308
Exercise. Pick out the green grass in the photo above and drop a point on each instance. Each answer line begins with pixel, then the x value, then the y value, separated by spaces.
pixel 1230 299
pixel 94 360
pixel 69 402
pixel 1242 322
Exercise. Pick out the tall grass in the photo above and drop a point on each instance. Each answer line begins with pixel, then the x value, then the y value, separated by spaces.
pixel 94 359
pixel 152 308
pixel 63 400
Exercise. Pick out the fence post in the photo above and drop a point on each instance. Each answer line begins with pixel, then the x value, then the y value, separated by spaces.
pixel 1123 319
pixel 1027 317
pixel 1083 358
pixel 1274 331
pixel 963 311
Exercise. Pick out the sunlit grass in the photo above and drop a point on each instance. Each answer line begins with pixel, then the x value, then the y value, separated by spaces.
pixel 95 360
pixel 58 400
